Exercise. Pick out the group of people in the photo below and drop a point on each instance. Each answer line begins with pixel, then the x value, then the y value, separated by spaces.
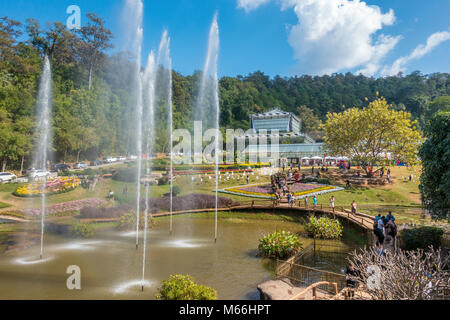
pixel 385 226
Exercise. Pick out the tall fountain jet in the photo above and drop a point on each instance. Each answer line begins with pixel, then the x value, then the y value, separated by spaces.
pixel 207 105
pixel 149 89
pixel 165 63
pixel 134 10
pixel 152 76
pixel 43 109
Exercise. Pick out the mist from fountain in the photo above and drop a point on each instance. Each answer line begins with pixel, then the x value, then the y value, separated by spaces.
pixel 43 109
pixel 207 105
pixel 149 82
pixel 134 11
pixel 165 62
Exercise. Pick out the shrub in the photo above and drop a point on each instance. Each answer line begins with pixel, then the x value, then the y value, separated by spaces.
pixel 128 221
pixel 421 238
pixel 324 228
pixel 163 180
pixel 323 181
pixel 188 202
pixel 280 244
pixel 176 190
pixel 180 287
pixel 88 172
pixel 102 212
pixel 125 174
pixel 82 230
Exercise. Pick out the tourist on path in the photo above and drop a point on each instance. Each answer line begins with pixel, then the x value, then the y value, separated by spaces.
pixel 306 202
pixel 289 198
pixel 332 203
pixel 379 232
pixel 353 205
pixel 352 279
pixel 315 201
pixel 391 230
pixel 248 178
pixel 379 249
pixel 390 216
pixel 292 199
pixel 111 195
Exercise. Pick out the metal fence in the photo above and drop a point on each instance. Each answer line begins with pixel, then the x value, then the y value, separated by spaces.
pixel 301 275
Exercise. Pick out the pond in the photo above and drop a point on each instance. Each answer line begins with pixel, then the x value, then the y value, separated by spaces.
pixel 111 266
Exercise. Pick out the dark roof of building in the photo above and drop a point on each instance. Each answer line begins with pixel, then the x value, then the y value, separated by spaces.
pixel 274 113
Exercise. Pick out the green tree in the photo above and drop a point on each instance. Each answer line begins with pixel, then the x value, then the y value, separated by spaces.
pixel 367 134
pixel 95 39
pixel 435 155
pixel 311 124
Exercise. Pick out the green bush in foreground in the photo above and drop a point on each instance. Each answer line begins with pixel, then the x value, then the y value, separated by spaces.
pixel 128 221
pixel 324 228
pixel 421 238
pixel 180 287
pixel 82 230
pixel 280 244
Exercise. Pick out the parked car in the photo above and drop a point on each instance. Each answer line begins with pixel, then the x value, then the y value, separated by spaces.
pixel 121 159
pixel 95 163
pixel 109 159
pixel 7 176
pixel 38 173
pixel 61 167
pixel 80 165
pixel 132 157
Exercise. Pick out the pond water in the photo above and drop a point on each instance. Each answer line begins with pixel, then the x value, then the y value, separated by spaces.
pixel 111 266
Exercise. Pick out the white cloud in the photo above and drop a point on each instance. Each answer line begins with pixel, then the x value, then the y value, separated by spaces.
pixel 336 35
pixel 249 5
pixel 433 41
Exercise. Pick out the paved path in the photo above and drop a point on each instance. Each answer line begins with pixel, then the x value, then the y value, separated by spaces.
pixel 13 218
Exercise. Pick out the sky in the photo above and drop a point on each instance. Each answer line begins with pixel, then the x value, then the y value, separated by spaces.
pixel 278 37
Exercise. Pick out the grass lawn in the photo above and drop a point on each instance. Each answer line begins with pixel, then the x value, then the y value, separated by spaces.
pixel 4 205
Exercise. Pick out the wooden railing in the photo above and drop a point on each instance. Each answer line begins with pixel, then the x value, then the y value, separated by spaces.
pixel 314 287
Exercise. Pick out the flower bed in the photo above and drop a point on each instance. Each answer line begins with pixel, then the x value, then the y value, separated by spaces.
pixel 300 190
pixel 66 206
pixel 191 172
pixel 59 185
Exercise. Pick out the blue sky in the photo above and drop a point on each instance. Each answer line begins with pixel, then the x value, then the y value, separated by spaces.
pixel 280 37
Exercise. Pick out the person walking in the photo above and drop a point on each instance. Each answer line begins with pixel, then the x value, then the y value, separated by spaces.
pixel 292 199
pixel 315 201
pixel 111 195
pixel 391 230
pixel 353 205
pixel 289 198
pixel 390 216
pixel 380 226
pixel 306 202
pixel 248 178
pixel 332 203
pixel 352 280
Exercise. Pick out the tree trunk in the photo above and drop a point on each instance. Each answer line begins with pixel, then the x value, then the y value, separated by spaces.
pixel 78 155
pixel 90 77
pixel 21 164
pixel 4 165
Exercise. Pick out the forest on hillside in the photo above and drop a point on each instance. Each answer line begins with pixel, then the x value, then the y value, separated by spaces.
pixel 93 108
